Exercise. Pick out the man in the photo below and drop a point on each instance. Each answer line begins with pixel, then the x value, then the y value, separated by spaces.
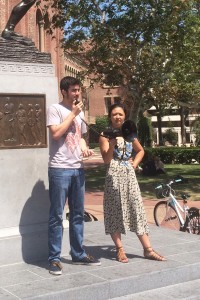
pixel 16 15
pixel 66 174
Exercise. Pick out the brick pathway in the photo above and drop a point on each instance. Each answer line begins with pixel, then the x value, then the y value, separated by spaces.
pixel 94 205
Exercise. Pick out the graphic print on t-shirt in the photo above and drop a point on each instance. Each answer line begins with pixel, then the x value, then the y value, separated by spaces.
pixel 73 136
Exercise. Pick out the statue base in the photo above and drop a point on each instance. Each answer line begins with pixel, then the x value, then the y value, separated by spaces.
pixel 24 172
pixel 22 49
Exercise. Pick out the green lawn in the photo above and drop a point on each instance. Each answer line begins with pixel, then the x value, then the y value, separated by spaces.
pixel 95 180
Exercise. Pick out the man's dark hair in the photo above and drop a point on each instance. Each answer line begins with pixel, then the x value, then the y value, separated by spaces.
pixel 68 81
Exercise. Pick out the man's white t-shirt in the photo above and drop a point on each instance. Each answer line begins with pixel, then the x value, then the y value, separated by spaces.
pixel 65 152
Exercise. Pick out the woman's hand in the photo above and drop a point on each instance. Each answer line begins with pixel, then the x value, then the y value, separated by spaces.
pixel 107 147
pixel 112 143
pixel 87 152
pixel 133 164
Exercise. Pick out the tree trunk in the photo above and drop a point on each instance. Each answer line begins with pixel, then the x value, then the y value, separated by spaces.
pixel 134 114
pixel 160 136
pixel 183 133
pixel 136 107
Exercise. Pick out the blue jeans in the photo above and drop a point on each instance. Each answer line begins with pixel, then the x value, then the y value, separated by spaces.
pixel 63 184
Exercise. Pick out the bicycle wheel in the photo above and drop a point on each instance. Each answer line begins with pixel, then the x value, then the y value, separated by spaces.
pixel 166 216
pixel 193 221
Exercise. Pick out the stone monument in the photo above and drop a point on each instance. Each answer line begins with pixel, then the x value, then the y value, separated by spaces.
pixel 28 85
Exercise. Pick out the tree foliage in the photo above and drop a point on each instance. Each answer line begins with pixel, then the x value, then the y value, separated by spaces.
pixel 171 136
pixel 101 124
pixel 145 131
pixel 147 47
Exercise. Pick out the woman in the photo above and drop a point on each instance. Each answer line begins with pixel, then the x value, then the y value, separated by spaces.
pixel 123 207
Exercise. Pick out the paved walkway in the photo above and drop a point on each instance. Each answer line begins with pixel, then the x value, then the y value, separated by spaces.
pixel 177 278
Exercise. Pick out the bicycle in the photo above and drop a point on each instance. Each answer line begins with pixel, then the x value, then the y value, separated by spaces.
pixel 170 214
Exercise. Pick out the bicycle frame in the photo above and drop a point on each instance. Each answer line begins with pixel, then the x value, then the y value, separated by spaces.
pixel 169 211
pixel 178 208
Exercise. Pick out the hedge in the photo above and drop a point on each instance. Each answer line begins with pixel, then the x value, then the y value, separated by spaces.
pixel 176 155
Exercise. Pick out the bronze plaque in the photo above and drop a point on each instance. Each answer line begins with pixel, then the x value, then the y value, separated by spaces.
pixel 22 121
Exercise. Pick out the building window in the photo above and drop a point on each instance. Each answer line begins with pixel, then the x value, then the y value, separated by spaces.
pixel 107 101
pixel 117 100
pixel 69 71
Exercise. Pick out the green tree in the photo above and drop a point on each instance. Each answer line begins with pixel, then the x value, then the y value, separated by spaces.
pixel 162 99
pixel 145 131
pixel 171 136
pixel 132 43
pixel 100 125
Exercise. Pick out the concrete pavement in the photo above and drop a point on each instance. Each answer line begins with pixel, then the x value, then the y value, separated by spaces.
pixel 177 278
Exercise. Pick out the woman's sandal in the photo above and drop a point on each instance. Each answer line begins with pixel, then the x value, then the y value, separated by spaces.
pixel 149 253
pixel 121 255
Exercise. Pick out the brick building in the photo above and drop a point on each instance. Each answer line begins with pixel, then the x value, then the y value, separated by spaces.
pixel 34 25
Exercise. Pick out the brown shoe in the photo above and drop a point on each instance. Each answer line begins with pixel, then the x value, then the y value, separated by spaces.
pixel 149 253
pixel 121 255
pixel 55 268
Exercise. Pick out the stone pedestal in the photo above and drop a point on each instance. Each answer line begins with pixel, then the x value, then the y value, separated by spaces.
pixel 23 172
pixel 23 50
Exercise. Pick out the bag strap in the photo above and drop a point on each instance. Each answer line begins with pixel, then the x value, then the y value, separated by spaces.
pixel 91 216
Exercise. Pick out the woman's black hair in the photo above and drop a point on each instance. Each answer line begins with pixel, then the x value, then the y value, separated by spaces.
pixel 115 106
